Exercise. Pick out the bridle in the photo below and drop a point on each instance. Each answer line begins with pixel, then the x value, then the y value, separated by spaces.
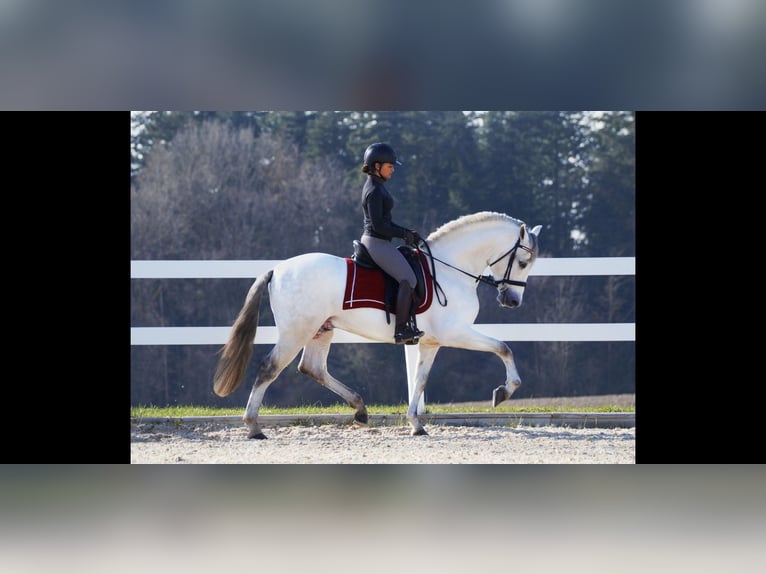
pixel 486 279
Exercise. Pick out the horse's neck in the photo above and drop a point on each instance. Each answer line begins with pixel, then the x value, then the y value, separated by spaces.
pixel 472 249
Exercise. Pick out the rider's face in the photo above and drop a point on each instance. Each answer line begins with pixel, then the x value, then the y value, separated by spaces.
pixel 386 170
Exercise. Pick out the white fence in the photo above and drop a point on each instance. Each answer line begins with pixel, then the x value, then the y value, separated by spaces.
pixel 268 335
pixel 560 266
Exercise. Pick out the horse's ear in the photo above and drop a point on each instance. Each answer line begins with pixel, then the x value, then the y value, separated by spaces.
pixel 536 230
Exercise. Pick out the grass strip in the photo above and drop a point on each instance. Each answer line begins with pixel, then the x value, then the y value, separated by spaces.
pixel 432 408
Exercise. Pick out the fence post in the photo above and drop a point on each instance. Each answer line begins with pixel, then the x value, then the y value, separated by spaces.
pixel 410 358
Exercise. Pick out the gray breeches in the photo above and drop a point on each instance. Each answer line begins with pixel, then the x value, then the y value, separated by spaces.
pixel 387 256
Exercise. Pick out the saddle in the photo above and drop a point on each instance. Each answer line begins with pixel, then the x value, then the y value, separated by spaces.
pixel 415 258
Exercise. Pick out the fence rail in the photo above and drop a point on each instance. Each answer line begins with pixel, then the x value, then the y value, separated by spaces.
pixel 243 269
pixel 233 269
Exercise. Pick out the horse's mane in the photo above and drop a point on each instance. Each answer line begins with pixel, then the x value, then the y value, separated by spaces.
pixel 469 220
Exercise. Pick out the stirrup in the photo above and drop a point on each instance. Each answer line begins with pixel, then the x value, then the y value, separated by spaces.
pixel 405 339
pixel 408 336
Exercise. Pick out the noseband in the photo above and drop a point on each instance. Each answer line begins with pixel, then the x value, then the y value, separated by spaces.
pixel 506 280
pixel 486 279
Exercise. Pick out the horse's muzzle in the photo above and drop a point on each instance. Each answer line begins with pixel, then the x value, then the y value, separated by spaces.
pixel 507 299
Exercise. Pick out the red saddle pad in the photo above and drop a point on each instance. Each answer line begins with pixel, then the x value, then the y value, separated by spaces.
pixel 366 287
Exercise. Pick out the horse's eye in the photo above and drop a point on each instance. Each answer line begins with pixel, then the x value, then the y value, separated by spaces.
pixel 523 264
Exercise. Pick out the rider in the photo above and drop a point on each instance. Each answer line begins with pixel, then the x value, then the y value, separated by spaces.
pixel 377 203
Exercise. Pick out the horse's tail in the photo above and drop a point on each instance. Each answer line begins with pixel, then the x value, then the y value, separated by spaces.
pixel 236 353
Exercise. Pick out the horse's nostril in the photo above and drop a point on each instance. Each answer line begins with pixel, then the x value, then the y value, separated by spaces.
pixel 507 301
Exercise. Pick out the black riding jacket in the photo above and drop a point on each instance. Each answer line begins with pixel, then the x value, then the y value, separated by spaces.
pixel 377 204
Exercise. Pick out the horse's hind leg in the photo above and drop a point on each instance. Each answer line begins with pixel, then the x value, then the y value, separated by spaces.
pixel 273 364
pixel 314 364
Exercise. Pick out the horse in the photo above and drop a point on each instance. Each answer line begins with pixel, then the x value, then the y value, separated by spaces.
pixel 306 295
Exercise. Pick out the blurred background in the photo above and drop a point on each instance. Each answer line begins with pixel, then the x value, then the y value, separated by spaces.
pixel 295 55
pixel 450 519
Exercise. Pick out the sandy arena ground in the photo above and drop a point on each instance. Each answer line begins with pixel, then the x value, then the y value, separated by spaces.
pixel 219 443
pixel 227 442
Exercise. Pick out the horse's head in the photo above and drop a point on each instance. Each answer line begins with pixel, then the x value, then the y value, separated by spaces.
pixel 514 266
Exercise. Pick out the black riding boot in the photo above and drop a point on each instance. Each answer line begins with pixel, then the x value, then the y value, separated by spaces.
pixel 404 333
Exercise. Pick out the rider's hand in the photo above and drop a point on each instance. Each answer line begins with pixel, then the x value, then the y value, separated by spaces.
pixel 409 237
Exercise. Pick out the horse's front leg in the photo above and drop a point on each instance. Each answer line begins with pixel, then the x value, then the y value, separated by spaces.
pixel 473 340
pixel 512 378
pixel 424 361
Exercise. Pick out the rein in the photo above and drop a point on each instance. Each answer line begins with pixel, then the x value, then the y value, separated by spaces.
pixel 487 279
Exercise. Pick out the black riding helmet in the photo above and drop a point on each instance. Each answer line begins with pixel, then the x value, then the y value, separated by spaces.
pixel 381 153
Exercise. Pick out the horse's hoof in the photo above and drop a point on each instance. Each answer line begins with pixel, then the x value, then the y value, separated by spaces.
pixel 258 435
pixel 360 418
pixel 499 395
pixel 419 432
pixel 359 424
